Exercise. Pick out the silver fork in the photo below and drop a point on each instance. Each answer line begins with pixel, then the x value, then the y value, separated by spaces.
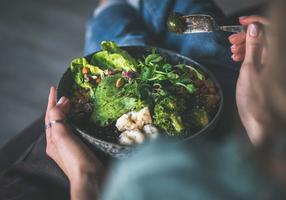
pixel 186 24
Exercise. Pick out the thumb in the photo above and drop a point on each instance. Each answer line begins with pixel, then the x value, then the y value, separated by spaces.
pixel 64 105
pixel 254 44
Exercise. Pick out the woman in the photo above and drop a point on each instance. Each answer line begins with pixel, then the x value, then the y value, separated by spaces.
pixel 260 113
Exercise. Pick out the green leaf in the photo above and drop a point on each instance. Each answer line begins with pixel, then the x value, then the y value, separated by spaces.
pixel 111 102
pixel 109 46
pixel 167 67
pixel 94 70
pixel 112 57
pixel 158 77
pixel 153 58
pixel 166 116
pixel 76 68
pixel 173 76
pixel 189 87
pixel 199 75
pixel 147 72
pixel 177 123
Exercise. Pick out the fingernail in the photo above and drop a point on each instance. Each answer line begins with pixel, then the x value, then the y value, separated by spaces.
pixel 253 30
pixel 53 87
pixel 233 46
pixel 62 100
pixel 231 37
pixel 242 17
pixel 233 56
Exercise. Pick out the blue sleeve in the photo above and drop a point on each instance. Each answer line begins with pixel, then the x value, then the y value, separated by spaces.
pixel 209 171
pixel 119 23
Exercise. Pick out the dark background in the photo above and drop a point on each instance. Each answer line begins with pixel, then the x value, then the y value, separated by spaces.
pixel 38 39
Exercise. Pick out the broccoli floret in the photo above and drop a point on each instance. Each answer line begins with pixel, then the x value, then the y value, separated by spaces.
pixel 199 117
pixel 166 116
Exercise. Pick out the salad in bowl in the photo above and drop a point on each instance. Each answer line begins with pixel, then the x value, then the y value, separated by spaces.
pixel 126 97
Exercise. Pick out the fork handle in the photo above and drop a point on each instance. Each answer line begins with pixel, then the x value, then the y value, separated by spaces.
pixel 233 29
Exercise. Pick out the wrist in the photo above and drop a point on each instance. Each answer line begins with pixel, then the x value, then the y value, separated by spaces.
pixel 258 128
pixel 85 180
pixel 85 187
pixel 87 174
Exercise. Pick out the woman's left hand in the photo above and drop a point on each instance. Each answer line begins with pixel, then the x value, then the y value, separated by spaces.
pixel 79 164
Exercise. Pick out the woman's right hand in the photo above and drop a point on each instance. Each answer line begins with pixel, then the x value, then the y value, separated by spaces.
pixel 238 40
pixel 251 96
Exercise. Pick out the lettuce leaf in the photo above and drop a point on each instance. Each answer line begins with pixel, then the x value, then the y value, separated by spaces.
pixel 76 73
pixel 76 68
pixel 112 57
pixel 111 102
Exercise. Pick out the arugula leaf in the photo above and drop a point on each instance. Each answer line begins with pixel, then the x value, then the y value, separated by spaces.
pixel 199 75
pixel 173 76
pixel 167 67
pixel 153 58
pixel 147 72
pixel 158 77
pixel 189 87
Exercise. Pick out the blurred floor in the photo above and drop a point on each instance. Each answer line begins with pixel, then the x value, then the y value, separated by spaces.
pixel 38 38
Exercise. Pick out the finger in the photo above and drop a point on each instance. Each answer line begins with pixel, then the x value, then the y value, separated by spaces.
pixel 64 105
pixel 238 38
pixel 51 104
pixel 238 57
pixel 246 20
pixel 254 45
pixel 264 56
pixel 51 100
pixel 238 49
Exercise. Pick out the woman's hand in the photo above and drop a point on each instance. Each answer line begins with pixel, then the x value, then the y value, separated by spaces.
pixel 238 40
pixel 251 96
pixel 249 99
pixel 79 164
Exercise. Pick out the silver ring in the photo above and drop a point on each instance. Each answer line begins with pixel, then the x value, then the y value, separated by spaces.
pixel 51 123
